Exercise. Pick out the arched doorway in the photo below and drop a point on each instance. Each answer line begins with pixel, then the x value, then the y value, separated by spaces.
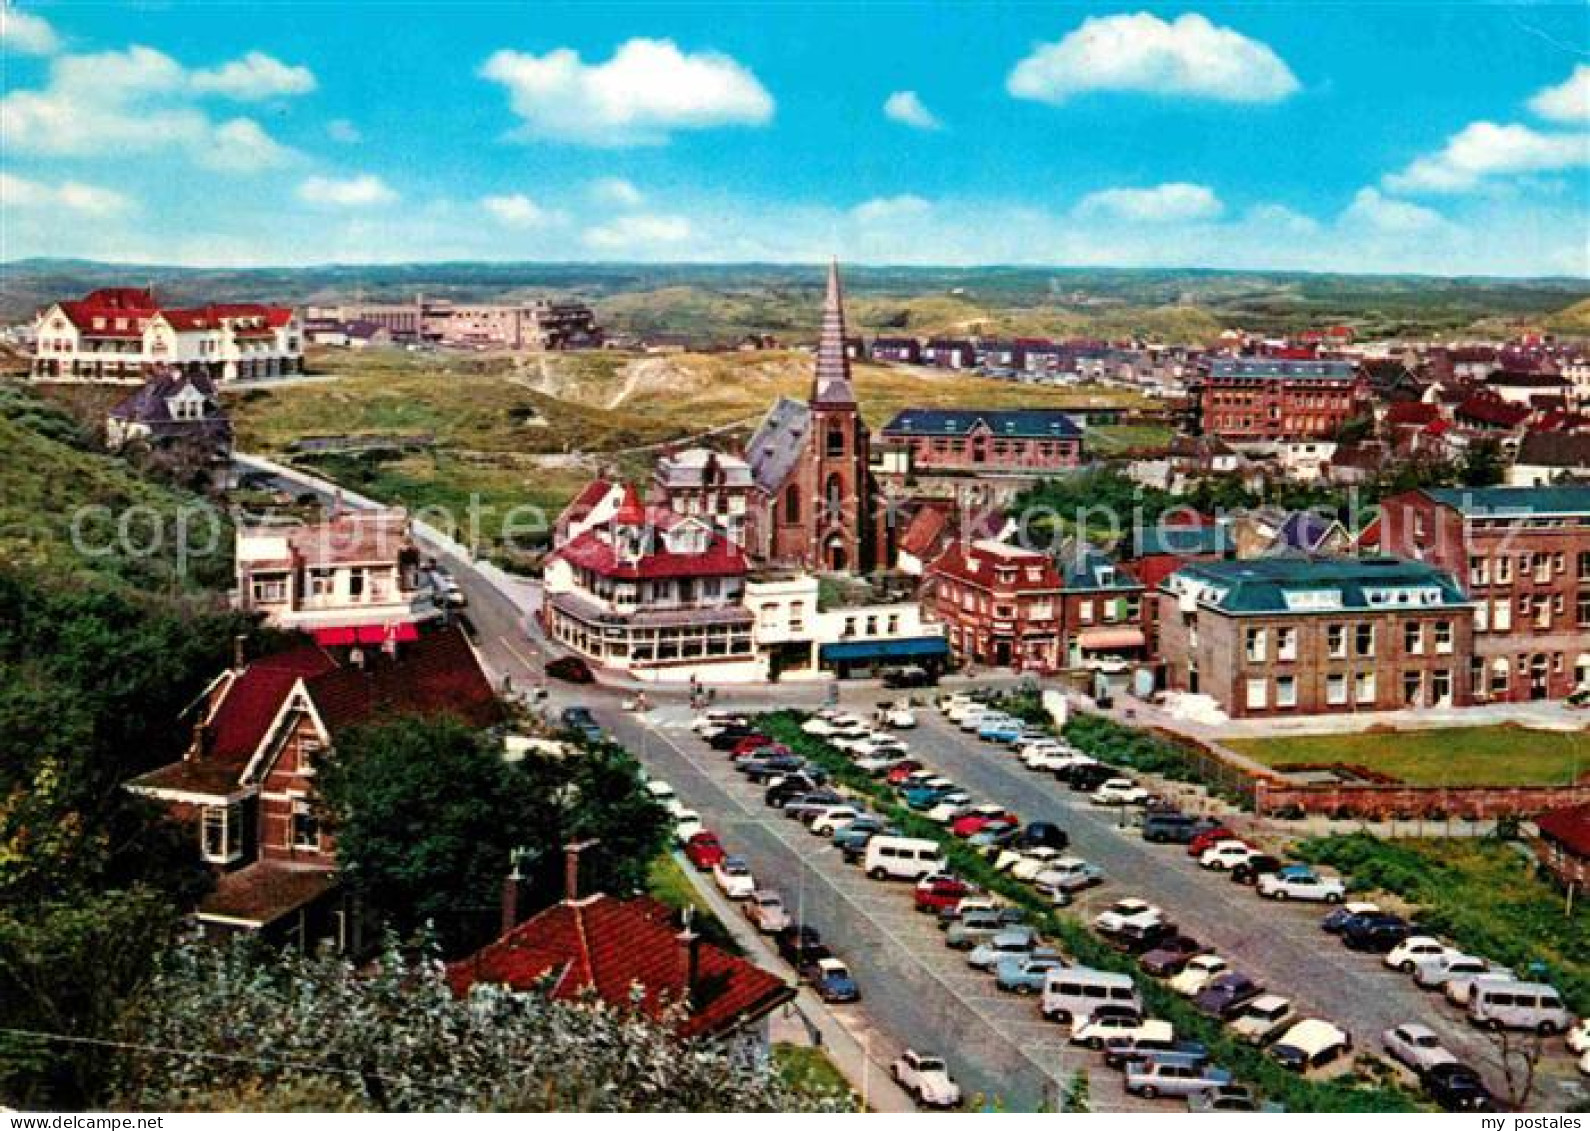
pixel 838 558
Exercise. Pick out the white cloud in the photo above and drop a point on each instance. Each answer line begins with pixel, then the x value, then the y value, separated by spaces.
pixel 616 191
pixel 1373 209
pixel 1484 150
pixel 884 209
pixel 905 107
pixel 648 90
pixel 131 103
pixel 639 233
pixel 363 191
pixel 26 33
pixel 253 77
pixel 516 210
pixel 1173 203
pixel 1143 54
pixel 341 129
pixel 72 196
pixel 1569 102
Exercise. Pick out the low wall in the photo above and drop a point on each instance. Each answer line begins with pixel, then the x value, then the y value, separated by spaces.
pixel 1375 802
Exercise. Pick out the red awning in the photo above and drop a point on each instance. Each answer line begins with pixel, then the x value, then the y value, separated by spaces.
pixel 368 634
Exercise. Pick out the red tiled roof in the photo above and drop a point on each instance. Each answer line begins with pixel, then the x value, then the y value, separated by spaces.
pixel 922 534
pixel 436 675
pixel 1491 410
pixel 612 946
pixel 630 510
pixel 975 565
pixel 589 551
pixel 254 696
pixel 1569 827
pixel 1413 413
pixel 265 891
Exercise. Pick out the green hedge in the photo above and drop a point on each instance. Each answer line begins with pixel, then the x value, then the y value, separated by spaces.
pixel 1077 940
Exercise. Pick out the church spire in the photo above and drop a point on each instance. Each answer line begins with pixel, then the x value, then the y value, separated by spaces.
pixel 832 382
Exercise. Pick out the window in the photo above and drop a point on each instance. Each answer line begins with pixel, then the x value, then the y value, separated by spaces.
pixel 836 438
pixel 1584 565
pixel 222 836
pixel 1336 690
pixel 1085 612
pixel 1286 644
pixel 1286 691
pixel 1504 569
pixel 356 583
pixel 269 590
pixel 322 582
pixel 305 827
pixel 1443 638
pixel 1584 610
pixel 1441 688
pixel 1479 571
pixel 1364 688
pixel 1501 675
pixel 1502 615
pixel 1364 640
pixel 792 503
pixel 797 616
pixel 1258 690
pixel 1257 645
pixel 1413 638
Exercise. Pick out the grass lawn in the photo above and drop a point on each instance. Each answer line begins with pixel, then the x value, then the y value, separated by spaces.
pixel 807 1069
pixel 1493 755
pixel 667 883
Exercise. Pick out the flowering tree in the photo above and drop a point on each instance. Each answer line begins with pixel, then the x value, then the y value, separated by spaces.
pixel 229 1029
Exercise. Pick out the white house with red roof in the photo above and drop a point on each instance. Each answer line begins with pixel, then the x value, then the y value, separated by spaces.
pixel 653 593
pixel 119 335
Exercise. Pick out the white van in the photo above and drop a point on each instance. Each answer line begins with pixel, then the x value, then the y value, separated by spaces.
pixel 1078 991
pixel 902 858
pixel 1518 1005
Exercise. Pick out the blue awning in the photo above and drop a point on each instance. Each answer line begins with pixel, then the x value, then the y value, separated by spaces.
pixel 861 650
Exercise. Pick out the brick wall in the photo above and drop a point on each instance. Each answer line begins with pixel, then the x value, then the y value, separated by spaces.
pixel 1375 802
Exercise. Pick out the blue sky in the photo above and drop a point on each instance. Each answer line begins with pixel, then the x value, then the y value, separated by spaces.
pixel 1446 139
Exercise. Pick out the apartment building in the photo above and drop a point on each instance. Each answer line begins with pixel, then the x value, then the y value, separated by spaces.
pixel 1253 399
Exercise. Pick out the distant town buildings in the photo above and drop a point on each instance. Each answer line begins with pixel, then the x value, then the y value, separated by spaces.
pixel 122 335
pixel 1246 399
pixel 980 442
pixel 532 324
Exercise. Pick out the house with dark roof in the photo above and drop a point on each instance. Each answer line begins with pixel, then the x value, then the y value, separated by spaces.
pixel 1562 844
pixel 1545 458
pixel 171 408
pixel 247 781
pixel 985 441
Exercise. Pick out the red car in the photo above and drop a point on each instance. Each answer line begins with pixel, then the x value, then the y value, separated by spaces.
pixel 902 770
pixel 704 850
pixel 1206 840
pixel 749 743
pixel 974 823
pixel 938 892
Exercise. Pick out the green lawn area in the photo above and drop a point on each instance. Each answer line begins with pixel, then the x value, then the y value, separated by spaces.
pixel 667 883
pixel 1493 755
pixel 807 1069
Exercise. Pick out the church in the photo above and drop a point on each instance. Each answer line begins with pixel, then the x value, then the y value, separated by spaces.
pixel 820 507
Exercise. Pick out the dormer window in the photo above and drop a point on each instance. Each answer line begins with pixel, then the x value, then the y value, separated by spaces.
pixel 221 833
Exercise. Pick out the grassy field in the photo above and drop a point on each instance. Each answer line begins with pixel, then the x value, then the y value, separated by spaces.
pixel 808 1070
pixel 1484 894
pixel 1494 755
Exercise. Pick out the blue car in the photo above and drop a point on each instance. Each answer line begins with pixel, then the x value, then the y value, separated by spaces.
pixel 927 796
pixel 832 981
pixel 1000 729
pixel 1024 974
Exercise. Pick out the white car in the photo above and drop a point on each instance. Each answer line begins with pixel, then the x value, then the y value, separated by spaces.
pixel 851 741
pixel 832 818
pixel 1125 913
pixel 1026 864
pixel 1033 745
pixel 881 762
pixel 1301 885
pixel 1066 875
pixel 1200 970
pixel 1227 854
pixel 1093 1029
pixel 1407 955
pixel 927 1079
pixel 1416 1046
pixel 1578 1037
pixel 950 806
pixel 880 744
pixel 1262 1018
pixel 733 877
pixel 1120 791
pixel 662 793
pixel 971 720
pixel 687 823
pixel 766 910
pixel 1434 973
pixel 900 718
pixel 715 721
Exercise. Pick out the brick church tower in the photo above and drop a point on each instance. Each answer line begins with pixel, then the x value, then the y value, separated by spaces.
pixel 812 463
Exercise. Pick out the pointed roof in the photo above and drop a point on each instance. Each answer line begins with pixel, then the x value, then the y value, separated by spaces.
pixel 832 383
pixel 630 511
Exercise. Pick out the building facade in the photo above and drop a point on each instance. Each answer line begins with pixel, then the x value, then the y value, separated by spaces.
pixel 713 486
pixel 1295 636
pixel 122 335
pixel 171 408
pixel 1000 605
pixel 536 324
pixel 985 441
pixel 800 635
pixel 1523 557
pixel 1252 399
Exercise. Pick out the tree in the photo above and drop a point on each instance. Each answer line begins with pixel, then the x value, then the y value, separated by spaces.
pixel 427 814
pixel 1482 465
pixel 295 1032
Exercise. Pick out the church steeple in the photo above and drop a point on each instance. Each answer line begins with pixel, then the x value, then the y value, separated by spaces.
pixel 831 384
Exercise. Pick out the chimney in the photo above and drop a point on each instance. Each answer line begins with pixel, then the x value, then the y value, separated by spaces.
pixel 239 647
pixel 510 900
pixel 571 869
pixel 691 942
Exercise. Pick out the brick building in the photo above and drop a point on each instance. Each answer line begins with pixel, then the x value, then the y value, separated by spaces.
pixel 1523 557
pixel 713 486
pixel 247 782
pixel 985 441
pixel 1295 636
pixel 1000 605
pixel 1256 399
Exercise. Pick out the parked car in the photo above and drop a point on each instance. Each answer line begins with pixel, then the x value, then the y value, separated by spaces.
pixel 936 892
pixel 827 821
pixel 1227 854
pixel 1248 871
pixel 1578 1038
pixel 1222 1097
pixel 948 807
pixel 800 944
pixel 755 740
pixel 1140 938
pixel 1171 827
pixel 1532 1006
pixel 710 722
pixel 1024 974
pixel 1301 883
pixel 570 669
pixel 973 927
pixel 1457 1087
pixel 1337 921
pixel 1207 839
pixel 978 817
pixel 926 1079
pixel 1414 949
pixel 1170 956
pixel 906 678
pixel 582 722
pixel 811 804
pixel 1376 934
pixel 1166 1074
pixel 1012 942
pixel 898 772
pixel 1126 911
pixel 1416 1046
pixel 1080 991
pixel 1000 729
pixel 1120 1051
pixel 1120 791
pixel 1226 995
pixel 733 877
pixel 852 839
pixel 1263 1018
pixel 704 850
pixel 1459 990
pixel 766 911
pixel 1024 864
pixel 1199 971
pixel 1094 1030
pixel 687 823
pixel 663 794
pixel 1434 973
pixel 1064 877
pixel 1087 777
pixel 832 981
pixel 901 858
pixel 1311 1045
